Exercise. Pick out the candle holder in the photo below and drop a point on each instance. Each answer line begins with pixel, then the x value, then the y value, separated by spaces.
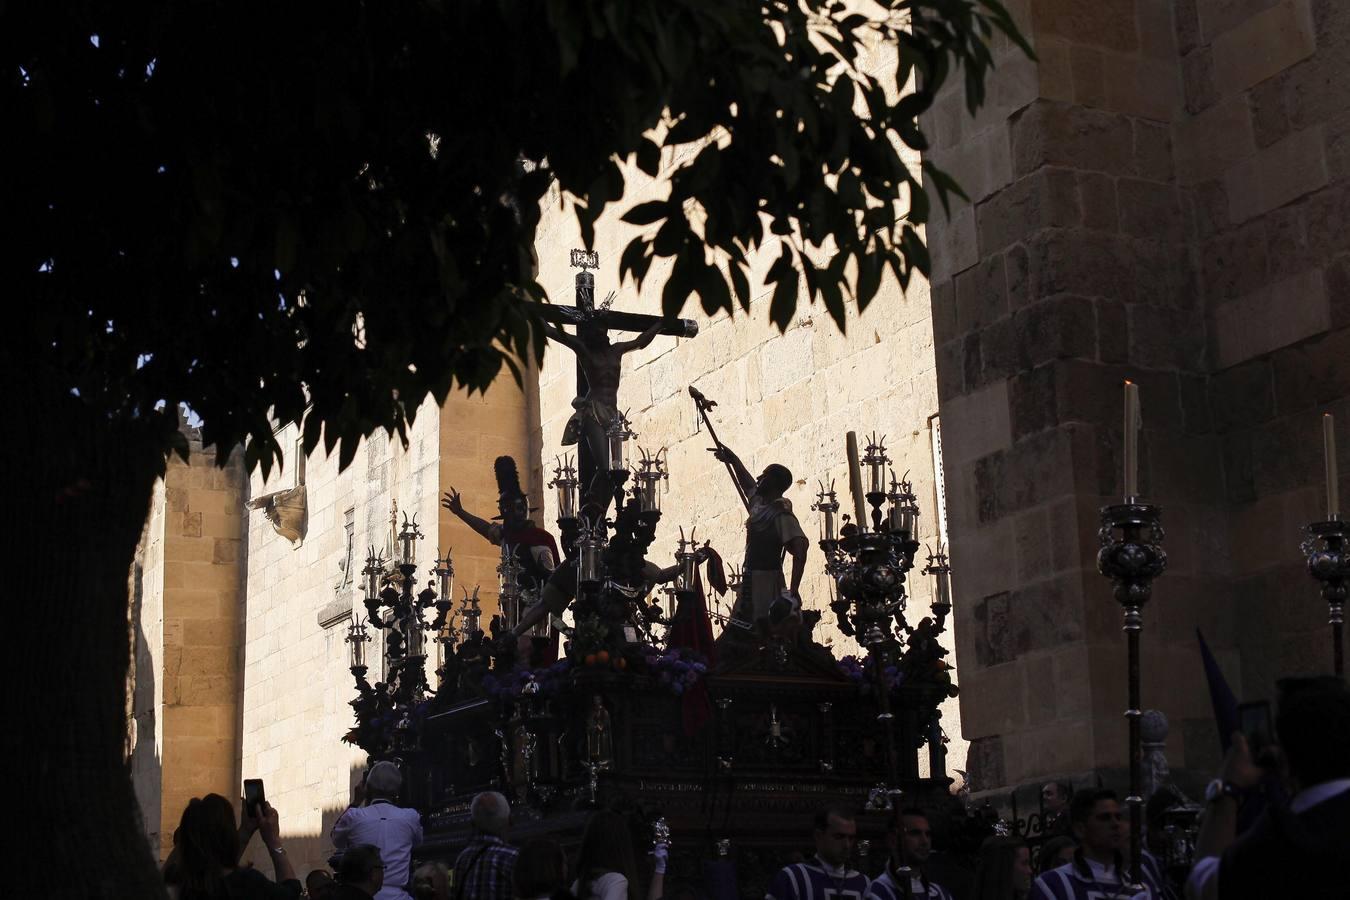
pixel 565 483
pixel 357 638
pixel 408 537
pixel 876 461
pixel 590 547
pixel 470 615
pixel 1329 564
pixel 1131 556
pixel 649 476
pixel 904 513
pixel 617 436
pixel 941 569
pixel 508 587
pixel 687 559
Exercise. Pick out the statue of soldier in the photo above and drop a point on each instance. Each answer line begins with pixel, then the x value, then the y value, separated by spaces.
pixel 771 532
pixel 533 548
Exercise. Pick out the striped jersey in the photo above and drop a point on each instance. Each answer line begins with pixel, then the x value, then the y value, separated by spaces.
pixel 889 887
pixel 814 880
pixel 1071 882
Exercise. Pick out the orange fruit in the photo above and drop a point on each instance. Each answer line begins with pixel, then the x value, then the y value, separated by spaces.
pixel 590 659
pixel 602 657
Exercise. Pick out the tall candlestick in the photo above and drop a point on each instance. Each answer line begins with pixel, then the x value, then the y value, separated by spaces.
pixel 1329 450
pixel 855 482
pixel 1131 441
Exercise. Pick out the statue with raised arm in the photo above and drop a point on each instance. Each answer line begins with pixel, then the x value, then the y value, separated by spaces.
pixel 530 547
pixel 771 533
pixel 601 362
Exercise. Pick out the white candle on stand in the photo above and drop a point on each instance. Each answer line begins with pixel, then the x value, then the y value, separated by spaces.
pixel 1131 441
pixel 1329 451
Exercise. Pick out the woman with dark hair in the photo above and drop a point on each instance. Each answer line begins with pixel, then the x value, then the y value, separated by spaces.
pixel 204 864
pixel 540 872
pixel 1005 869
pixel 606 867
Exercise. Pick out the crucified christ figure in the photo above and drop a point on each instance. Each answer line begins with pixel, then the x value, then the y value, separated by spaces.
pixel 602 363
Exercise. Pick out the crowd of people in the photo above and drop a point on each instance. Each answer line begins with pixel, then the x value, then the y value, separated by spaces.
pixel 1276 823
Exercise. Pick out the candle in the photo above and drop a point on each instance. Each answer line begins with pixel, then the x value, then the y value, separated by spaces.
pixel 1131 441
pixel 855 481
pixel 1329 451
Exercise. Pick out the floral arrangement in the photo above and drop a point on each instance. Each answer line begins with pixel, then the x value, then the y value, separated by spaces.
pixel 677 670
pixel 515 683
pixel 863 673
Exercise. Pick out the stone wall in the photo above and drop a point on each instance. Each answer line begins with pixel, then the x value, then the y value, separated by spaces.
pixel 300 597
pixel 1155 198
pixel 186 696
pixel 145 681
pixel 787 398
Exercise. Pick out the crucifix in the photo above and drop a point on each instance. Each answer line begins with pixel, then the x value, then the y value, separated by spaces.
pixel 599 366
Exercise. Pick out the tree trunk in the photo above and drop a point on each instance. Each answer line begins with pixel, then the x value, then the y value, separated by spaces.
pixel 77 490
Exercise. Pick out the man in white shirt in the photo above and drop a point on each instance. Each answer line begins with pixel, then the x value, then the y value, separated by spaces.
pixel 394 829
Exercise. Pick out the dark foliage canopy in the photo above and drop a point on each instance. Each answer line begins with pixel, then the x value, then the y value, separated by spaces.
pixel 325 212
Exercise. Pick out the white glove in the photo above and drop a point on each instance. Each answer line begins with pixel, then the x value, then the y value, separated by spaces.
pixel 661 851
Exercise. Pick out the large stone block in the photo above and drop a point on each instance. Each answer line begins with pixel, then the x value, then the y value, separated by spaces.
pixel 1312 373
pixel 1235 262
pixel 976 424
pixel 1039 468
pixel 1277 174
pixel 1043 199
pixel 1218 16
pixel 1149 209
pixel 1141 86
pixel 1166 338
pixel 1291 253
pixel 1197 80
pixel 1061 134
pixel 1243 395
pixel 1152 150
pixel 1208 144
pixel 1108 23
pixel 1262 45
pixel 1076 261
pixel 981 294
pixel 1270 318
pixel 1054 69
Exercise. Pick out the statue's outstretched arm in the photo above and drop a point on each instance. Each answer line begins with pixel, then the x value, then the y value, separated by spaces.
pixel 642 339
pixel 567 340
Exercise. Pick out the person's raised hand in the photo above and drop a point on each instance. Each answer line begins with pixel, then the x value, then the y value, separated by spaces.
pixel 452 502
pixel 268 825
pixel 722 454
pixel 1239 769
pixel 661 852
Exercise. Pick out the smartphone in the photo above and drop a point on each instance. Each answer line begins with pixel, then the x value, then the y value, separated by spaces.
pixel 1254 720
pixel 254 796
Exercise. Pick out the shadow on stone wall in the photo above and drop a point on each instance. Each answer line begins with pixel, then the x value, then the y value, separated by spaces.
pixel 143 758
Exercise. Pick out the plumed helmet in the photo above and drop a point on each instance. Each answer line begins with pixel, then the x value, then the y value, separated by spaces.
pixel 508 479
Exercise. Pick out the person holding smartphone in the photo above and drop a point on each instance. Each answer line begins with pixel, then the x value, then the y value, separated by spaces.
pixel 204 864
pixel 1294 850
